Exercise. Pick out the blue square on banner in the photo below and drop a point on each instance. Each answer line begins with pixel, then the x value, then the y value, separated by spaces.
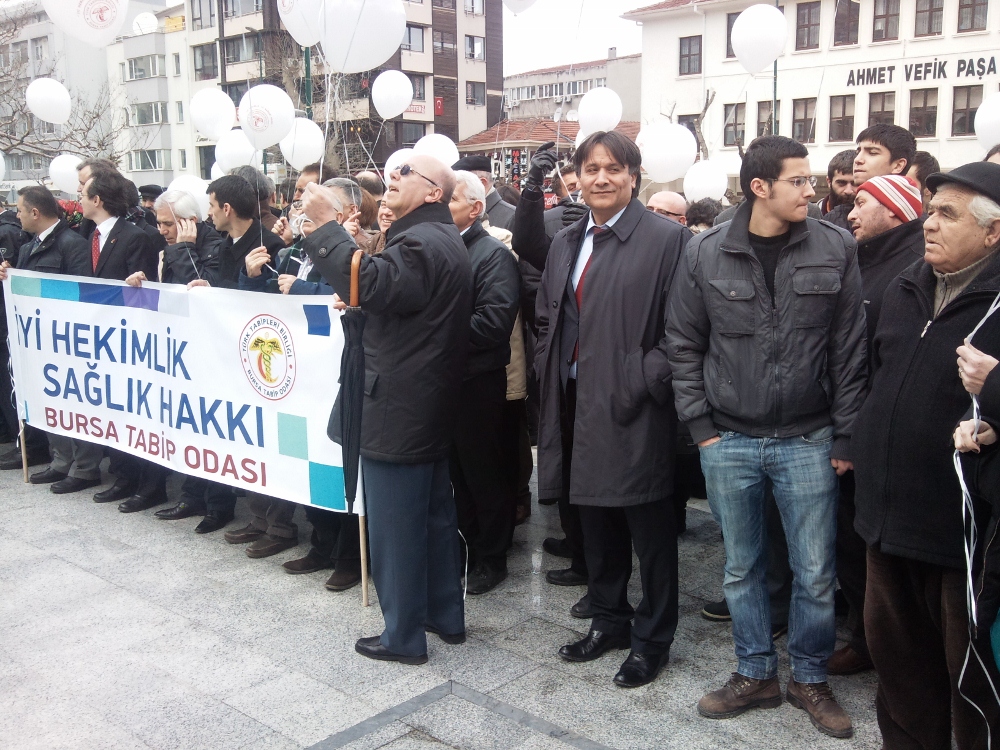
pixel 318 318
pixel 326 486
pixel 102 294
pixel 60 289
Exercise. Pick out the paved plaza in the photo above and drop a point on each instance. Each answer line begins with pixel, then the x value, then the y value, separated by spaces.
pixel 123 631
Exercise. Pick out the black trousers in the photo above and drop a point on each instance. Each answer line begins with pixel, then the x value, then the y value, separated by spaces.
pixel 852 568
pixel 569 515
pixel 609 535
pixel 518 461
pixel 484 493
pixel 216 497
pixel 335 537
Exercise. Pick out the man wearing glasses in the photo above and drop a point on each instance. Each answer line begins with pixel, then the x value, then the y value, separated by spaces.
pixel 418 296
pixel 669 204
pixel 767 348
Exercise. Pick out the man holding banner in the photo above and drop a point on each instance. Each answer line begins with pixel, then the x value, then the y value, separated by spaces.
pixel 418 296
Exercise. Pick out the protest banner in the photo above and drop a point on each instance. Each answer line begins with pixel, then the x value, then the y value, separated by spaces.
pixel 230 386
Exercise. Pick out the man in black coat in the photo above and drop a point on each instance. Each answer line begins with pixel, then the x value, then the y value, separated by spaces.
pixel 499 212
pixel 909 501
pixel 484 494
pixel 418 296
pixel 607 429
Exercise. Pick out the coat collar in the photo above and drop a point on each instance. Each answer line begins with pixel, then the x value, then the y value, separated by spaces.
pixel 428 212
pixel 882 247
pixel 922 276
pixel 622 228
pixel 60 227
pixel 476 232
pixel 737 238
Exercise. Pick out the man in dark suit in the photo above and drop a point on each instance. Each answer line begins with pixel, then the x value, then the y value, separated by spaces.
pixel 499 212
pixel 418 296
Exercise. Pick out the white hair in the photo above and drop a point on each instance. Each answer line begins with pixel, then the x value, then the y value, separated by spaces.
pixel 984 210
pixel 474 190
pixel 484 175
pixel 181 203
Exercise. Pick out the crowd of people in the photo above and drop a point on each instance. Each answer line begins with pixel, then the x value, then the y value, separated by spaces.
pixel 792 360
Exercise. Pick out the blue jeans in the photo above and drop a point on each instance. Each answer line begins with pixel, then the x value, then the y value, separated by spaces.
pixel 805 490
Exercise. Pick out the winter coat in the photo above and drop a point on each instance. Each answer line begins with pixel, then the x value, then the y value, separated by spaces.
pixel 232 256
pixel 418 296
pixel 187 261
pixel 908 498
pixel 838 216
pixel 625 426
pixel 11 236
pixel 290 263
pixel 499 211
pixel 62 251
pixel 769 370
pixel 517 373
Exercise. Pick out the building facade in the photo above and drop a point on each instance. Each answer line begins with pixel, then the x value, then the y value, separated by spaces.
pixel 922 64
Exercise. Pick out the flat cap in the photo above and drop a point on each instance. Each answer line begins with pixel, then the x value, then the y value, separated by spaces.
pixel 150 191
pixel 474 163
pixel 982 177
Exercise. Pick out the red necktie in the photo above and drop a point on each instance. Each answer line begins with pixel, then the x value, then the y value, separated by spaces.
pixel 95 248
pixel 579 290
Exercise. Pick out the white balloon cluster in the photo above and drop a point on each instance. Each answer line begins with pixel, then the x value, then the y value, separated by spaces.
pixel 600 109
pixel 212 112
pixel 304 144
pixel 668 150
pixel 62 172
pixel 234 150
pixel 301 18
pixel 392 93
pixel 359 35
pixel 441 147
pixel 266 115
pixel 705 179
pixel 758 36
pixel 96 22
pixel 48 100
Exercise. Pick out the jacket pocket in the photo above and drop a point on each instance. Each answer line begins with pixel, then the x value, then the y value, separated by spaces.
pixel 815 297
pixel 732 306
pixel 370 379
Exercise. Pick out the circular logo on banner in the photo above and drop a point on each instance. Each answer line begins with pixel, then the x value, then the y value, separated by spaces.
pixel 259 120
pixel 99 14
pixel 268 357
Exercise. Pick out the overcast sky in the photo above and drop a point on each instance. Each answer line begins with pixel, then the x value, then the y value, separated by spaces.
pixel 546 34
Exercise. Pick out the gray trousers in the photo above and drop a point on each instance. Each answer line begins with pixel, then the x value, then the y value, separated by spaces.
pixel 272 516
pixel 77 458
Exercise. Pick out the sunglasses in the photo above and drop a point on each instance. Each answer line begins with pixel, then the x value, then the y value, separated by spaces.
pixel 406 169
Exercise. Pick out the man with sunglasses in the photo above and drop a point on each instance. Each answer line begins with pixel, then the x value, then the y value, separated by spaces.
pixel 767 349
pixel 418 296
pixel 669 204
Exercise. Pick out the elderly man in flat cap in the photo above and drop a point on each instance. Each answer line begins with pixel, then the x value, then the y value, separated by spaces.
pixel 499 212
pixel 908 497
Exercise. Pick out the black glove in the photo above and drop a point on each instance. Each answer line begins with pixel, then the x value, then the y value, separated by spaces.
pixel 574 212
pixel 542 164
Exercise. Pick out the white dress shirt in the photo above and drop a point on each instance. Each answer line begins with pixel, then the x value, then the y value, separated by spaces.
pixel 105 228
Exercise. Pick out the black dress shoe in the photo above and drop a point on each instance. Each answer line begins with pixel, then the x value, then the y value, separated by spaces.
pixel 583 609
pixel 72 484
pixel 566 577
pixel 12 458
pixel 557 547
pixel 640 669
pixel 142 502
pixel 373 649
pixel 484 578
pixel 181 510
pixel 453 639
pixel 213 521
pixel 46 477
pixel 594 646
pixel 120 490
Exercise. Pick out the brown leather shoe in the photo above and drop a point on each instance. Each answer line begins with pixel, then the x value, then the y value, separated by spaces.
pixel 848 661
pixel 738 695
pixel 248 533
pixel 268 545
pixel 816 698
pixel 343 580
pixel 308 564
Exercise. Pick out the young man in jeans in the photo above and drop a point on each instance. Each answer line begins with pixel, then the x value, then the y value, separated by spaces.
pixel 767 348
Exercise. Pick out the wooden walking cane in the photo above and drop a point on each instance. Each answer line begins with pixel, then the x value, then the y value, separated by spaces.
pixel 355 301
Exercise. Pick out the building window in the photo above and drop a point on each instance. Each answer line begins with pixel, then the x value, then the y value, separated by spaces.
pixel 445 43
pixel 764 119
pixel 445 4
pixel 690 55
pixel 234 8
pixel 882 108
pixel 475 48
pixel 842 118
pixel 177 63
pixel 148 159
pixel 241 49
pixel 41 127
pixel 600 82
pixel 183 158
pixel 148 66
pixel 180 112
pixel 40 48
pixel 733 132
pixel 419 87
pixel 690 122
pixel 577 88
pixel 413 39
pixel 845 23
pixel 235 91
pixel 886 21
pixel 475 93
pixel 202 14
pixel 930 17
pixel 206 62
pixel 963 114
pixel 972 15
pixel 730 20
pixel 807 25
pixel 411 132
pixel 474 8
pixel 804 120
pixel 923 113
pixel 147 113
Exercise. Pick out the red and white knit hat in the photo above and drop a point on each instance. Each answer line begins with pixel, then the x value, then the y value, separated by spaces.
pixel 898 193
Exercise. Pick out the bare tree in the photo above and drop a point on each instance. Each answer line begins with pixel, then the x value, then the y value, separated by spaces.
pixel 699 119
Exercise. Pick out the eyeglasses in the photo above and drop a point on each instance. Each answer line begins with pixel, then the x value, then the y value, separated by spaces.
pixel 663 212
pixel 797 182
pixel 405 169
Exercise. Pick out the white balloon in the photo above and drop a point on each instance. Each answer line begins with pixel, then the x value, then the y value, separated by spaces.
pixel 396 160
pixel 234 150
pixel 144 23
pixel 96 22
pixel 62 172
pixel 302 19
pixel 705 179
pixel 266 115
pixel 392 93
pixel 195 187
pixel 359 35
pixel 758 36
pixel 304 145
pixel 600 109
pixel 518 6
pixel 668 151
pixel 987 121
pixel 217 171
pixel 212 113
pixel 441 147
pixel 48 100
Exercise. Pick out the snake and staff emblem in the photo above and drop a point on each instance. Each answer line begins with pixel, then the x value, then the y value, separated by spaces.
pixel 265 348
pixel 268 356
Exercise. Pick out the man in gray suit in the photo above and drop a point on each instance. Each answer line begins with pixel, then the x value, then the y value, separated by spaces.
pixel 499 212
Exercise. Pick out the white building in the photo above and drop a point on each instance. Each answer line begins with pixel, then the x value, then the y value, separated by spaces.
pixel 921 64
